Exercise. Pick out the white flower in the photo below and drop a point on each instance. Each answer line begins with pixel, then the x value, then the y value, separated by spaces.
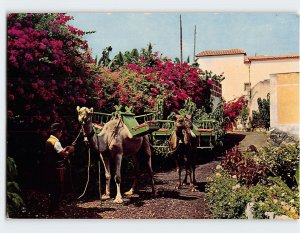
pixel 237 186
pixel 283 203
pixel 218 174
pixel 218 167
pixel 260 203
pixel 234 176
pixel 292 201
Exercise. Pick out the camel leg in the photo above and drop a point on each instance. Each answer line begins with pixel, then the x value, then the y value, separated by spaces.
pixel 189 171
pixel 118 162
pixel 106 163
pixel 136 165
pixel 190 168
pixel 193 161
pixel 147 151
pixel 184 182
pixel 178 169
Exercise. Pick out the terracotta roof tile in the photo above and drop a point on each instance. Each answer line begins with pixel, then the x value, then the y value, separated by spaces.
pixel 264 58
pixel 220 52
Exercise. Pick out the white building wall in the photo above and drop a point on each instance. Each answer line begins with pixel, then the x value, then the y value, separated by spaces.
pixel 261 70
pixel 233 69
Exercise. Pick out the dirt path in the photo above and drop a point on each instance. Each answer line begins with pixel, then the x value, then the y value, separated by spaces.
pixel 169 204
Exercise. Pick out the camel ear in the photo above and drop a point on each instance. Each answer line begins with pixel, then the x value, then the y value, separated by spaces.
pixel 177 116
pixel 188 116
pixel 91 110
pixel 78 108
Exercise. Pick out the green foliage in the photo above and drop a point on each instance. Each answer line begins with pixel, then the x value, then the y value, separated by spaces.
pixel 276 192
pixel 297 175
pixel 244 116
pixel 105 60
pixel 275 197
pixel 128 57
pixel 13 199
pixel 282 160
pixel 226 197
pixel 261 118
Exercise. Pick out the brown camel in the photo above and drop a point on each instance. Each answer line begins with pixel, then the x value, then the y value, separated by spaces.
pixel 181 148
pixel 116 141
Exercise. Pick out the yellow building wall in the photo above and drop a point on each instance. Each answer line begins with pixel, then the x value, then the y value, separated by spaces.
pixel 237 72
pixel 288 98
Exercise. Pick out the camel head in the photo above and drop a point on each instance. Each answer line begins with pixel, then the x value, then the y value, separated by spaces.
pixel 188 121
pixel 179 121
pixel 84 114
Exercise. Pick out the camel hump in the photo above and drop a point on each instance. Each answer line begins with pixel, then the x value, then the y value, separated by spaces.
pixel 127 132
pixel 116 126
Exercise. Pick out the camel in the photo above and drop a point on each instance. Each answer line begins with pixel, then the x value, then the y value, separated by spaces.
pixel 181 146
pixel 115 141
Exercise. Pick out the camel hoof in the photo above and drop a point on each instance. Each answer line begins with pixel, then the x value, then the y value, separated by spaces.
pixel 154 194
pixel 118 200
pixel 193 189
pixel 105 197
pixel 129 193
pixel 178 187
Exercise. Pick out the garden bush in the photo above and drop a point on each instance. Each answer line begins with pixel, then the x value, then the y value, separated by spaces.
pixel 281 160
pixel 226 197
pixel 266 178
pixel 247 170
pixel 13 193
pixel 275 197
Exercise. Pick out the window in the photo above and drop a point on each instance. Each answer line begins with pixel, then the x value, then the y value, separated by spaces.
pixel 247 86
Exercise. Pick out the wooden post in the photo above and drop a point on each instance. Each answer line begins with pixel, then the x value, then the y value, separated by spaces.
pixel 180 40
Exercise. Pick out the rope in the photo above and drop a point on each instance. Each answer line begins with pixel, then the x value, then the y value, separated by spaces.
pixel 75 141
pixel 114 132
pixel 88 173
pixel 99 172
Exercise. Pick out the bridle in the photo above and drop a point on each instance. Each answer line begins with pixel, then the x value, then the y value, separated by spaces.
pixel 87 120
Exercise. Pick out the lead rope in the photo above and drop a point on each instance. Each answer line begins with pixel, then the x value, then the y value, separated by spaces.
pixel 69 161
pixel 88 168
pixel 99 172
pixel 88 174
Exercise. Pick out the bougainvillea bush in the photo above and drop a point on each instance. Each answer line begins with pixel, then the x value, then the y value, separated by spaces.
pixel 49 72
pixel 143 80
pixel 232 110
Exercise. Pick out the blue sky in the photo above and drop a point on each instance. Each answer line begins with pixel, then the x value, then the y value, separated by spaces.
pixel 257 33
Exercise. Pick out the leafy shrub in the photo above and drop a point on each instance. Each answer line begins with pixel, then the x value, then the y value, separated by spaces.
pixel 274 197
pixel 13 198
pixel 261 118
pixel 226 197
pixel 282 160
pixel 247 171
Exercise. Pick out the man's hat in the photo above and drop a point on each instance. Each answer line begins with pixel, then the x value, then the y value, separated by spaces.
pixel 55 127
